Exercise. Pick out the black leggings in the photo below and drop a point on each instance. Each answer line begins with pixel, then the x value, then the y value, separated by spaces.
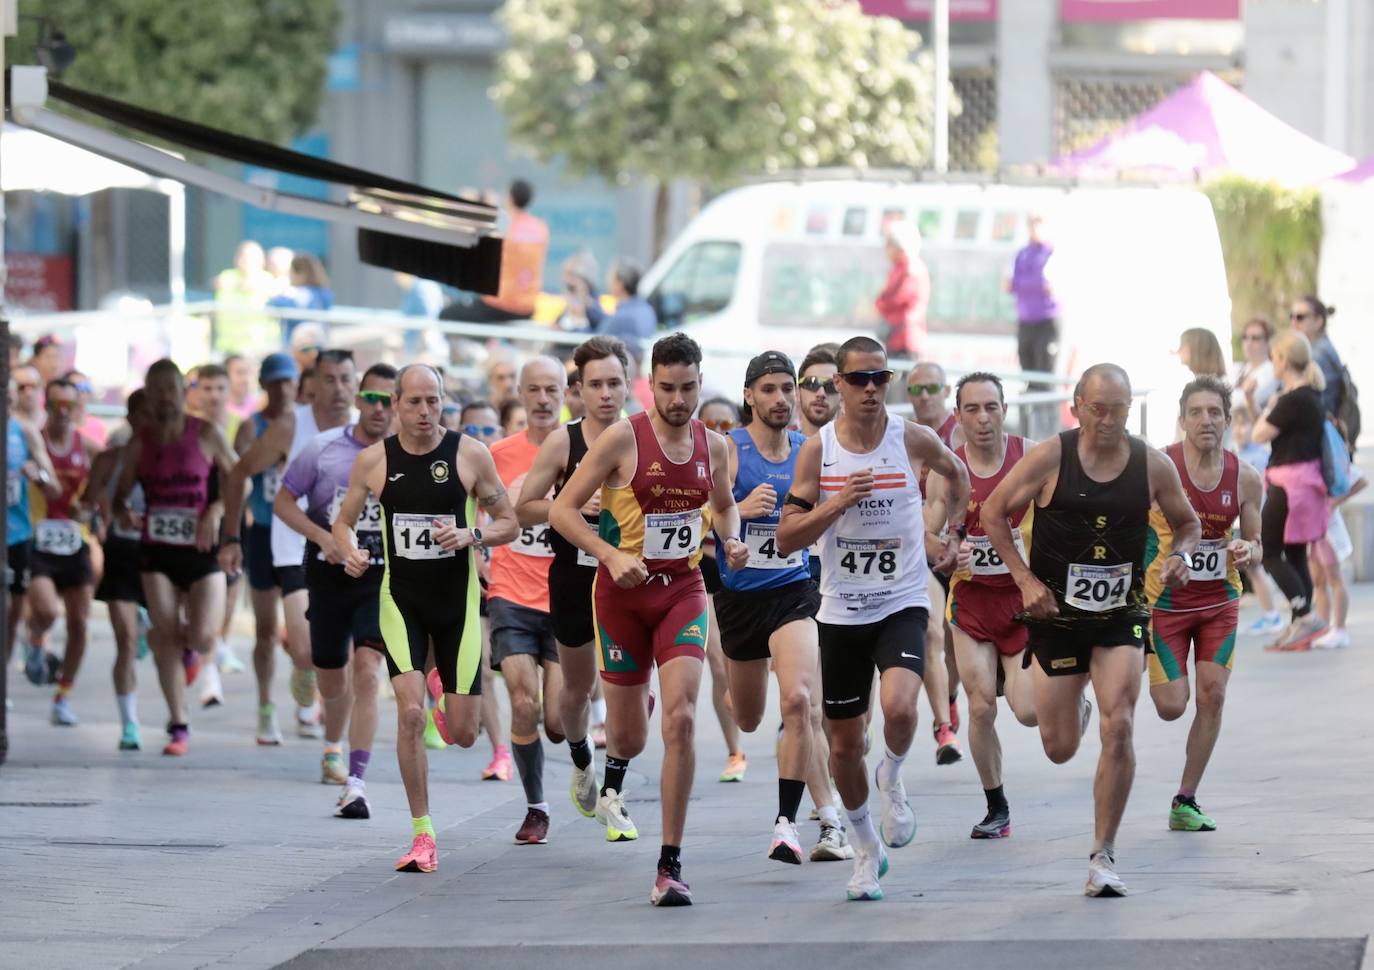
pixel 1285 561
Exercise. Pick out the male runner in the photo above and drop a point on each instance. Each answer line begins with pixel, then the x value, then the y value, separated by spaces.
pixel 818 399
pixel 61 573
pixel 277 377
pixel 342 609
pixel 1203 614
pixel 602 364
pixel 27 461
pixel 175 459
pixel 663 477
pixel 857 489
pixel 429 482
pixel 522 633
pixel 983 599
pixel 336 385
pixel 928 392
pixel 767 610
pixel 28 397
pixel 1083 590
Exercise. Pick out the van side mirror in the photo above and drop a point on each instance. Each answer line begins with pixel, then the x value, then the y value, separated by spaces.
pixel 671 309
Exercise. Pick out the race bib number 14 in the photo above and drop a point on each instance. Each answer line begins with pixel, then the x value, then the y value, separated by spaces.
pixel 413 536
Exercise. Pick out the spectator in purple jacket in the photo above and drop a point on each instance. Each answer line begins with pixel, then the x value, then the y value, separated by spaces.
pixel 1037 312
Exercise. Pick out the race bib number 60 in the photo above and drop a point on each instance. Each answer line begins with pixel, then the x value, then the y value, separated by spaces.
pixel 413 536
pixel 1208 561
pixel 672 535
pixel 1097 589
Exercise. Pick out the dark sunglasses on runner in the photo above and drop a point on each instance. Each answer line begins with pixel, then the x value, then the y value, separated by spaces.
pixel 481 429
pixel 862 378
pixel 814 384
pixel 376 397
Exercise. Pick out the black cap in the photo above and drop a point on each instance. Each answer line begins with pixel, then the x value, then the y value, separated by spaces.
pixel 769 362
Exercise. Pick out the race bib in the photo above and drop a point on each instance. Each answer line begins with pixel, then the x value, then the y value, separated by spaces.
pixel 413 536
pixel 368 532
pixel 586 558
pixel 120 532
pixel 869 562
pixel 1208 561
pixel 1097 589
pixel 672 535
pixel 172 527
pixel 57 537
pixel 534 541
pixel 271 484
pixel 762 540
pixel 14 489
pixel 984 560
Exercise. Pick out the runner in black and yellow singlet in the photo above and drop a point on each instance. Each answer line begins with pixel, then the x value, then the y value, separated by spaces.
pixel 429 482
pixel 1083 590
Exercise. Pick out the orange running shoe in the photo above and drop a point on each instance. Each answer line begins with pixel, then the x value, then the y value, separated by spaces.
pixel 178 744
pixel 946 746
pixel 735 767
pixel 501 767
pixel 422 857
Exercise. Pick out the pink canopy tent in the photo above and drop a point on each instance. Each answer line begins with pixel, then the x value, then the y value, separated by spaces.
pixel 1363 172
pixel 1208 127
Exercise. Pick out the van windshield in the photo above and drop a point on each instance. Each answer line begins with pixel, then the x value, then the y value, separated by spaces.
pixel 700 282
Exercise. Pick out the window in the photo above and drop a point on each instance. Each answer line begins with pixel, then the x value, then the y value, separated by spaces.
pixel 855 219
pixel 966 224
pixel 701 282
pixel 929 223
pixel 1004 225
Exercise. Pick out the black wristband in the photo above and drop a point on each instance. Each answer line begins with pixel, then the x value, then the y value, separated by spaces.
pixel 800 503
pixel 230 540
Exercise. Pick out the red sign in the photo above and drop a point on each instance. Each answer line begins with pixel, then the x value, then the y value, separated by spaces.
pixel 38 283
pixel 1099 11
pixel 920 9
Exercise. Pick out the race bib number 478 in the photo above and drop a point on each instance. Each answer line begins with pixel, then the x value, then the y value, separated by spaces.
pixel 869 562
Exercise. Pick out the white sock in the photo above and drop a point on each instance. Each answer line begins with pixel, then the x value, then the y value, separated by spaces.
pixel 221 650
pixel 828 815
pixel 599 711
pixel 356 782
pixel 128 707
pixel 861 824
pixel 890 768
pixel 542 806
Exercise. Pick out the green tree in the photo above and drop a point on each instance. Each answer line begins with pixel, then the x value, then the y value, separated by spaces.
pixel 254 67
pixel 711 89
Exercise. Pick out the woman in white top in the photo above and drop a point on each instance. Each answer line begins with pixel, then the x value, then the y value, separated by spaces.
pixel 1254 376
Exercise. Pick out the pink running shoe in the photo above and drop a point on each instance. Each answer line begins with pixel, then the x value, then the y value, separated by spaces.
pixel 501 767
pixel 422 857
pixel 436 691
pixel 191 661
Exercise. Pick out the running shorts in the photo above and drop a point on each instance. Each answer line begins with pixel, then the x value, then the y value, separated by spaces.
pixel 517 629
pixel 410 622
pixel 1211 633
pixel 570 604
pixel 182 565
pixel 18 558
pixel 1066 649
pixel 710 574
pixel 66 572
pixel 342 610
pixel 748 619
pixel 988 615
pixel 661 620
pixel 257 562
pixel 120 582
pixel 850 652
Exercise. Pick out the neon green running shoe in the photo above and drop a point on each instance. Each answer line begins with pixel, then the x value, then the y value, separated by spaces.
pixel 1186 816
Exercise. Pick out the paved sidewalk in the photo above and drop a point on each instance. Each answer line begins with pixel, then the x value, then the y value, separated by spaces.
pixel 230 857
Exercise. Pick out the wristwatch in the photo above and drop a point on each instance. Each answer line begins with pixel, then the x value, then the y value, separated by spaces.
pixel 962 531
pixel 476 537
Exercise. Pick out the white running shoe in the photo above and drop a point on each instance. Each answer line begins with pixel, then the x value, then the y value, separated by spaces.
pixel 303 687
pixel 228 661
pixel 1087 713
pixel 308 722
pixel 1102 877
pixel 1335 638
pixel 869 867
pixel 833 845
pixel 611 812
pixel 584 789
pixel 62 713
pixel 897 825
pixel 786 844
pixel 269 733
pixel 353 801
pixel 211 687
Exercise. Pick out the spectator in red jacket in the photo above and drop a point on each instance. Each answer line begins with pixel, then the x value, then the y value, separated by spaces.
pixel 906 295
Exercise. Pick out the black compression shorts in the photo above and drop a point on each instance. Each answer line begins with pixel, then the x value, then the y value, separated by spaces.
pixel 850 652
pixel 749 618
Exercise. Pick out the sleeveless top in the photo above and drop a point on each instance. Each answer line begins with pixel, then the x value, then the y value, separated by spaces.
pixel 176 485
pixel 766 569
pixel 1088 544
pixel 288 546
pixel 519 571
pixel 265 484
pixel 986 567
pixel 873 557
pixel 663 513
pixel 1212 578
pixel 18 528
pixel 945 432
pixel 56 529
pixel 565 554
pixel 418 490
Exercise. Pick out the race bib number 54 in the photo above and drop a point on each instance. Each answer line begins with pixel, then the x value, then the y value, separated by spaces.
pixel 413 536
pixel 1097 589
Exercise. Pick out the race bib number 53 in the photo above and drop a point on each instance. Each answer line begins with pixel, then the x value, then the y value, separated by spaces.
pixel 413 536
pixel 1098 589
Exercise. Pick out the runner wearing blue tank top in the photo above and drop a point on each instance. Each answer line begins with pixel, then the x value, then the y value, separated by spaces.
pixel 27 461
pixel 767 609
pixel 856 489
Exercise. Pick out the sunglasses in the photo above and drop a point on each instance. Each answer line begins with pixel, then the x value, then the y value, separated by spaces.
pixel 84 387
pixel 863 378
pixel 814 384
pixel 1299 316
pixel 482 430
pixel 1106 410
pixel 63 406
pixel 719 426
pixel 916 390
pixel 376 397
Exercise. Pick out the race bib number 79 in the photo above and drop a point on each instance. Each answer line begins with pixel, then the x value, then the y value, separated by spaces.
pixel 1098 589
pixel 672 535
pixel 413 536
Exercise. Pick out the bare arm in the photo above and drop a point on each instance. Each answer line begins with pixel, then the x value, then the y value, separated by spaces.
pixel 133 451
pixel 533 507
pixel 1026 480
pixel 1247 549
pixel 294 518
pixel 565 514
pixel 804 523
pixel 491 494
pixel 925 446
pixel 723 503
pixel 1166 491
pixel 266 450
pixel 38 454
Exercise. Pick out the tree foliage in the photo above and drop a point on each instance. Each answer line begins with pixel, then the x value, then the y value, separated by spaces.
pixel 254 67
pixel 711 89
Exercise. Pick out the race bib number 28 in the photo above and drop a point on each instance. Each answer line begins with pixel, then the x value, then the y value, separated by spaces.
pixel 984 560
pixel 1098 589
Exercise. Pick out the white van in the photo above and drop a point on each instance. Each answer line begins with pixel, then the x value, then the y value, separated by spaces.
pixel 786 265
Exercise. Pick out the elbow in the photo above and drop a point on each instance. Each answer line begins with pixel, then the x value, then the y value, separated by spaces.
pixel 786 542
pixel 525 517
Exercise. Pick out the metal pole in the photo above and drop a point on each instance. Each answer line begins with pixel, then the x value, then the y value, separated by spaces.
pixel 939 27
pixel 9 20
pixel 1337 81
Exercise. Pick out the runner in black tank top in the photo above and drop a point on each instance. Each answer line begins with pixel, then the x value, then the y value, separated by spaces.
pixel 428 482
pixel 572 572
pixel 1083 591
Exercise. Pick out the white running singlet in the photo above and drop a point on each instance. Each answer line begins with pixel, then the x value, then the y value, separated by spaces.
pixel 873 557
pixel 288 545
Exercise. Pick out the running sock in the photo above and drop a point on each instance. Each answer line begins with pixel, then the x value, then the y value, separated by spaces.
pixel 529 759
pixel 790 792
pixel 357 763
pixel 333 747
pixel 422 826
pixel 890 768
pixel 1105 845
pixel 128 707
pixel 599 712
pixel 541 807
pixel 997 800
pixel 581 753
pixel 861 821
pixel 670 857
pixel 64 687
pixel 828 816
pixel 615 775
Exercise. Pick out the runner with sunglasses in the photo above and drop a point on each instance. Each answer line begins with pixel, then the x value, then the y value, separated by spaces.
pixel 857 490
pixel 336 384
pixel 818 399
pixel 343 609
pixel 1084 589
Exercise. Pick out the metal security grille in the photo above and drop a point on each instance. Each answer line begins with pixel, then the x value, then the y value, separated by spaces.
pixel 973 130
pixel 1089 108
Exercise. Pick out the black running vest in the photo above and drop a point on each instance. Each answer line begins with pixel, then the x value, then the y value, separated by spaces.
pixel 419 488
pixel 564 552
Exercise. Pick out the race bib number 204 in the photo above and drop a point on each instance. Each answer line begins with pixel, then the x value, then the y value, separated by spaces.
pixel 1097 589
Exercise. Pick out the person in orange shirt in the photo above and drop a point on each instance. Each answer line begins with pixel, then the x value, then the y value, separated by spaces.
pixel 522 266
pixel 522 638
